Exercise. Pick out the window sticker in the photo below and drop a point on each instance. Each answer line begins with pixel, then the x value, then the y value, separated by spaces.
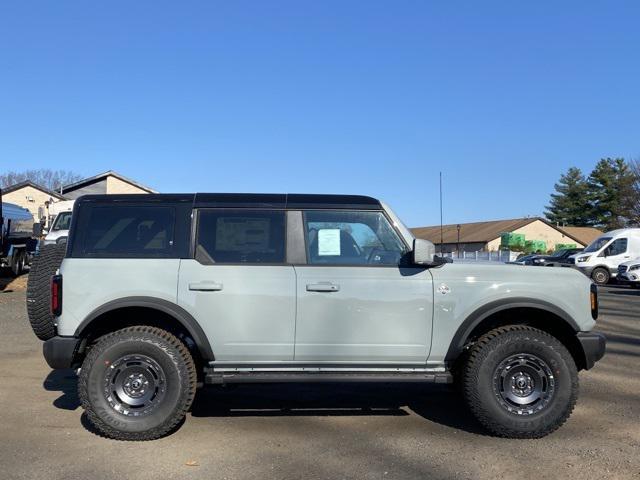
pixel 329 241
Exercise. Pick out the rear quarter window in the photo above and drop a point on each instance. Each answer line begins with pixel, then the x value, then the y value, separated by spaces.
pixel 108 231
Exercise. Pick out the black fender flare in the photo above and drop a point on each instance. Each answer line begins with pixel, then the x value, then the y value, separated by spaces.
pixel 485 311
pixel 175 311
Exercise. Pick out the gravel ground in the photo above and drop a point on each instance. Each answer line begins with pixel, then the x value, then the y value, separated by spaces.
pixel 318 431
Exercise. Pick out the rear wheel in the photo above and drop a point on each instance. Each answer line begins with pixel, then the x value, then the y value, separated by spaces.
pixel 520 382
pixel 18 263
pixel 137 383
pixel 601 276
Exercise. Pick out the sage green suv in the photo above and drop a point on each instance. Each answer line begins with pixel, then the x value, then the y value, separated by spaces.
pixel 156 295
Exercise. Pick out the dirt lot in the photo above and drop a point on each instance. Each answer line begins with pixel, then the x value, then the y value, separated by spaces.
pixel 319 431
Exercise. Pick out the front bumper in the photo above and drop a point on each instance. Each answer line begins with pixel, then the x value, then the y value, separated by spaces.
pixel 629 277
pixel 60 352
pixel 586 270
pixel 593 346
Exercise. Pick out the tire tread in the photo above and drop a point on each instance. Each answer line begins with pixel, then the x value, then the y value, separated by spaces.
pixel 185 360
pixel 44 266
pixel 473 396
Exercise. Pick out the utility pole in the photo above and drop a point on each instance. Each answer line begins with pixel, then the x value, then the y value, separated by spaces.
pixel 441 230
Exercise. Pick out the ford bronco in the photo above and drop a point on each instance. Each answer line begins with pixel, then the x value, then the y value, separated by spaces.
pixel 154 296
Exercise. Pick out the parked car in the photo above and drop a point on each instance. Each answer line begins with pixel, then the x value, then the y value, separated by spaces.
pixel 601 259
pixel 154 295
pixel 559 258
pixel 522 259
pixel 629 273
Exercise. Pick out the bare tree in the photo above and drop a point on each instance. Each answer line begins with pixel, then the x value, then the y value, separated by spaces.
pixel 51 179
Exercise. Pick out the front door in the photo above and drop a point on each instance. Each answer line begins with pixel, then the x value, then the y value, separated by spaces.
pixel 357 300
pixel 238 286
pixel 617 252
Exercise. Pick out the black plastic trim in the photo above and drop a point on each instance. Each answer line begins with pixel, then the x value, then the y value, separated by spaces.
pixel 221 378
pixel 240 200
pixel 304 201
pixel 296 250
pixel 473 320
pixel 59 352
pixel 244 200
pixel 595 306
pixel 594 345
pixel 177 312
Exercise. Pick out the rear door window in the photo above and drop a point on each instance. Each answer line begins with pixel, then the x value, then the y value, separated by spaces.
pixel 128 231
pixel 240 236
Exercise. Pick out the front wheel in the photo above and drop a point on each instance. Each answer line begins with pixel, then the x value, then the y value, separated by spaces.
pixel 520 382
pixel 137 383
pixel 601 276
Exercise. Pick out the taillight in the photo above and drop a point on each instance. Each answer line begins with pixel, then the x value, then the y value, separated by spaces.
pixel 56 295
pixel 594 301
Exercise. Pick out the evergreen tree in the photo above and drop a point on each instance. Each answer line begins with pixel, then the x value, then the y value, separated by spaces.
pixel 611 194
pixel 569 206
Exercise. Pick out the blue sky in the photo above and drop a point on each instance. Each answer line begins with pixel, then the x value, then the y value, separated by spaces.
pixel 325 96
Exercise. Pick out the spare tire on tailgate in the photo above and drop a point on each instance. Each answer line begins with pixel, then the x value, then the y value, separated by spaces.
pixel 44 266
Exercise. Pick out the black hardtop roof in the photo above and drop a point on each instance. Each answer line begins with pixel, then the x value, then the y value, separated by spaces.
pixel 244 200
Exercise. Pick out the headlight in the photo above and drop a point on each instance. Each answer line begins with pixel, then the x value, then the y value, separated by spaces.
pixel 583 259
pixel 538 260
pixel 634 267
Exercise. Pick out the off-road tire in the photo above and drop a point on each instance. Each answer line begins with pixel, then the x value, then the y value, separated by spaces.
pixel 601 275
pixel 479 380
pixel 44 266
pixel 162 348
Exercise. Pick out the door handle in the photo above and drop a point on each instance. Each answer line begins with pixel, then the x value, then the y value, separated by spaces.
pixel 323 287
pixel 205 286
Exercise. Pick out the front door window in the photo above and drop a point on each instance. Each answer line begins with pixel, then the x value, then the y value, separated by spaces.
pixel 352 238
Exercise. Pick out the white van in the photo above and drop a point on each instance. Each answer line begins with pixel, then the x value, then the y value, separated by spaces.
pixel 59 231
pixel 601 259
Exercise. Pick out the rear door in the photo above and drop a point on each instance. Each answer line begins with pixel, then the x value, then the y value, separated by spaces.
pixel 239 287
pixel 359 301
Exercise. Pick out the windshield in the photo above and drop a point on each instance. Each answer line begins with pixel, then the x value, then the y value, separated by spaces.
pixel 597 244
pixel 559 253
pixel 62 221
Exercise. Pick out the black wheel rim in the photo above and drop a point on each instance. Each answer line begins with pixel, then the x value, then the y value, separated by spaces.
pixel 134 385
pixel 523 384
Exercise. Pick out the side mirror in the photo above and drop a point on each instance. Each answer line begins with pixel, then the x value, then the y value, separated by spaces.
pixel 424 252
pixel 37 229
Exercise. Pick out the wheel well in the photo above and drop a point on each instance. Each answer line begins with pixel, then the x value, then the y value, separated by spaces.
pixel 538 318
pixel 124 317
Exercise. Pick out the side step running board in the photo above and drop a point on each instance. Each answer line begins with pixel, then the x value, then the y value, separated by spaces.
pixel 221 378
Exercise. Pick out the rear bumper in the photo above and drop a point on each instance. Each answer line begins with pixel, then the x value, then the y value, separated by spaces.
pixel 593 346
pixel 59 352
